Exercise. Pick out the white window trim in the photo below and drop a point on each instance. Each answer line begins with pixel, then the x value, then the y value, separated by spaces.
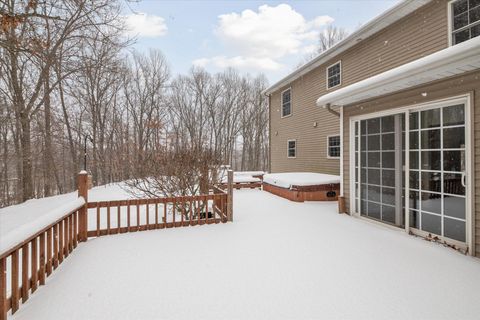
pixel 326 74
pixel 281 103
pixel 288 148
pixel 450 22
pixel 328 146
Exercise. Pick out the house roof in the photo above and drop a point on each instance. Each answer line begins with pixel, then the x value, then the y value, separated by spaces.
pixel 454 60
pixel 373 26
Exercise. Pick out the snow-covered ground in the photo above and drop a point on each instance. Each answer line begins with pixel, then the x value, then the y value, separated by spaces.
pixel 289 179
pixel 277 260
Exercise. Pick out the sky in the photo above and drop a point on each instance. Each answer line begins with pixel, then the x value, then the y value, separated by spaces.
pixel 270 37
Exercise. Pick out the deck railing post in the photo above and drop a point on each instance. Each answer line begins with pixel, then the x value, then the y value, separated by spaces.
pixel 83 212
pixel 230 196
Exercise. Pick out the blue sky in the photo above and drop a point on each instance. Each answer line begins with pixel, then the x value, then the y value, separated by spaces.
pixel 253 36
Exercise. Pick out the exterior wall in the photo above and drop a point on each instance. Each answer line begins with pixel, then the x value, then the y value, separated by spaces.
pixel 469 83
pixel 421 33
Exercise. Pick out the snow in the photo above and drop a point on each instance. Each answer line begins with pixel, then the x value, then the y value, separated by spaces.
pixel 289 179
pixel 277 260
pixel 460 58
pixel 244 176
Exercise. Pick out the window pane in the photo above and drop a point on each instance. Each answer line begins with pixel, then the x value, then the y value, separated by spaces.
pixel 431 202
pixel 414 160
pixel 475 31
pixel 388 196
pixel 474 14
pixel 461 36
pixel 374 210
pixel 431 223
pixel 431 160
pixel 388 124
pixel 414 179
pixel 414 140
pixel 474 3
pixel 430 139
pixel 454 137
pixel 452 183
pixel 460 21
pixel 453 160
pixel 430 118
pixel 413 120
pixel 374 193
pixel 374 159
pixel 388 178
pixel 454 115
pixel 374 142
pixel 414 200
pixel 432 181
pixel 388 160
pixel 388 214
pixel 414 219
pixel 454 229
pixel 459 7
pixel 374 176
pixel 388 141
pixel 454 206
pixel 373 125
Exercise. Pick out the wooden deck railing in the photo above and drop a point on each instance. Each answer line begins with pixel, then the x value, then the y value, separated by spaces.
pixel 29 262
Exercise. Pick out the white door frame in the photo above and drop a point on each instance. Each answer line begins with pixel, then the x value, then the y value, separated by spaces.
pixel 465 99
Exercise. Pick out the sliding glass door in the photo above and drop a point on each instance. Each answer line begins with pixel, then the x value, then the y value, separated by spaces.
pixel 436 151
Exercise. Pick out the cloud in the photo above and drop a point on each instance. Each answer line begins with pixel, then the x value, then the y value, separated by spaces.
pixel 146 25
pixel 261 38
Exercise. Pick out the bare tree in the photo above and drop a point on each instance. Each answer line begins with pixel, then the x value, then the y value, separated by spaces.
pixel 329 37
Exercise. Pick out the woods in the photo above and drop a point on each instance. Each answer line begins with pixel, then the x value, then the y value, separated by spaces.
pixel 69 75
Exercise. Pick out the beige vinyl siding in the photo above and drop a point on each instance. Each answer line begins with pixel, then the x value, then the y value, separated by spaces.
pixel 469 83
pixel 419 34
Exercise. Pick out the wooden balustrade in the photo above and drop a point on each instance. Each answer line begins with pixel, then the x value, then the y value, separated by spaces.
pixel 40 253
pixel 121 216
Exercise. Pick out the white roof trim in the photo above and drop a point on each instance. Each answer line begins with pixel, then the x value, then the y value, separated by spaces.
pixel 387 18
pixel 458 59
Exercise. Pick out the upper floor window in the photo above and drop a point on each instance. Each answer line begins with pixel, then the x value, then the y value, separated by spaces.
pixel 292 148
pixel 465 20
pixel 334 73
pixel 286 103
pixel 334 146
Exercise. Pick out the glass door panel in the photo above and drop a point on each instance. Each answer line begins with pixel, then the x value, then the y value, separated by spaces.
pixel 437 171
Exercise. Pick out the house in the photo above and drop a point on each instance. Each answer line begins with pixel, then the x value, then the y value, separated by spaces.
pixel 406 87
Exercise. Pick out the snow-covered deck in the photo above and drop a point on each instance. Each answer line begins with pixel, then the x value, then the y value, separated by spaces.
pixel 277 260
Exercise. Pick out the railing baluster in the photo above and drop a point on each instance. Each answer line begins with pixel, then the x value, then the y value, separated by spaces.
pixel 164 214
pixel 182 212
pixel 108 217
pixel 147 215
pixel 3 288
pixel 65 237
pixel 190 211
pixel 205 204
pixel 197 201
pixel 25 269
pixel 66 222
pixel 15 289
pixel 156 215
pixel 41 275
pixel 49 251
pixel 173 210
pixel 128 215
pixel 138 215
pixel 60 242
pixel 70 225
pixel 75 229
pixel 34 265
pixel 56 249
pixel 98 219
pixel 118 219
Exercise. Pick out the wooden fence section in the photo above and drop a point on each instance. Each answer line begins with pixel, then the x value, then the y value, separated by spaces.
pixel 244 185
pixel 113 217
pixel 34 259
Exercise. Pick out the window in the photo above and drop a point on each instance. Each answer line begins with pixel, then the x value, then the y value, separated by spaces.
pixel 464 20
pixel 334 146
pixel 286 103
pixel 292 148
pixel 334 75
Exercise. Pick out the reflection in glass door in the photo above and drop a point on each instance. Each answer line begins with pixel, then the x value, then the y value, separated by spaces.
pixel 437 171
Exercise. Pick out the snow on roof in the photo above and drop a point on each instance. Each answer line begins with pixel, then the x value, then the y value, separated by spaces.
pixel 289 179
pixel 454 60
pixel 378 23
